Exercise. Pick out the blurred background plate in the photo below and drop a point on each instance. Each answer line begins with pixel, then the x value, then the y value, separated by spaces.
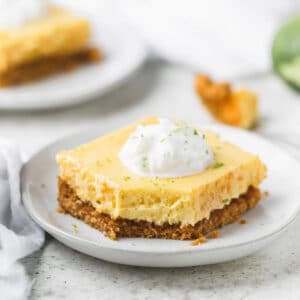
pixel 123 55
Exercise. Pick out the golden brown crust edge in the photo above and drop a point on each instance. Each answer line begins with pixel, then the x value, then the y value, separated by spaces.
pixel 114 228
pixel 49 66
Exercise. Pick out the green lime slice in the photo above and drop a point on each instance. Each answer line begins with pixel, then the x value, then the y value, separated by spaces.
pixel 291 72
pixel 286 52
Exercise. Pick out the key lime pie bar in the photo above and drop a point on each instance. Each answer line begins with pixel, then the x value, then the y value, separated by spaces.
pixel 37 40
pixel 158 178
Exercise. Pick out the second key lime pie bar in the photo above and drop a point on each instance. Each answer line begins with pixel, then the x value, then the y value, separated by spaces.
pixel 38 40
pixel 158 178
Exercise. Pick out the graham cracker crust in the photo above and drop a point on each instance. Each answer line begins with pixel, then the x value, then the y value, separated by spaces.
pixel 49 66
pixel 115 228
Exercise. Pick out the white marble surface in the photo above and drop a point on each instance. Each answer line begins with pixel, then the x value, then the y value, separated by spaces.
pixel 61 273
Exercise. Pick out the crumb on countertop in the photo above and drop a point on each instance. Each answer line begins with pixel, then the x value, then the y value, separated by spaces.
pixel 232 107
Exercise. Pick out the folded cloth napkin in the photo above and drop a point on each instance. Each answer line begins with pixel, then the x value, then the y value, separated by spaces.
pixel 19 235
pixel 227 39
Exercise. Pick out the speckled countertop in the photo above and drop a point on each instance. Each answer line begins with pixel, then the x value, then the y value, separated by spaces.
pixel 273 273
pixel 61 273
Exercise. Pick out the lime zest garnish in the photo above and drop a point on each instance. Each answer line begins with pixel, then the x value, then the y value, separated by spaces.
pixel 225 201
pixel 145 162
pixel 218 164
pixel 126 178
pixel 98 163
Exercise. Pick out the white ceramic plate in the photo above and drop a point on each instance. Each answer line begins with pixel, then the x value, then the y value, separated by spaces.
pixel 265 222
pixel 124 54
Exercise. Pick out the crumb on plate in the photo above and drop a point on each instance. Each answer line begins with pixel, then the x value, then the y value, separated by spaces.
pixel 75 228
pixel 243 221
pixel 60 210
pixel 200 240
pixel 214 234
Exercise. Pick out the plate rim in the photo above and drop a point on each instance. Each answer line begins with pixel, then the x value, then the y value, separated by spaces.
pixel 53 230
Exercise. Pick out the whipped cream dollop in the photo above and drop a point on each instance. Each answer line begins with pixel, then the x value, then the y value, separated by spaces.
pixel 15 13
pixel 167 150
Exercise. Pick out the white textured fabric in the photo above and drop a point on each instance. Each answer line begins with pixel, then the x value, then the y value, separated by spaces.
pixel 225 38
pixel 19 235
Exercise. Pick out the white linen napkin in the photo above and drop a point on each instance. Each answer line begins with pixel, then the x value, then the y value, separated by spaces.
pixel 224 38
pixel 19 235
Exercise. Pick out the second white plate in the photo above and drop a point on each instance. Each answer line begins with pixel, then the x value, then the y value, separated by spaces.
pixel 123 52
pixel 265 222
